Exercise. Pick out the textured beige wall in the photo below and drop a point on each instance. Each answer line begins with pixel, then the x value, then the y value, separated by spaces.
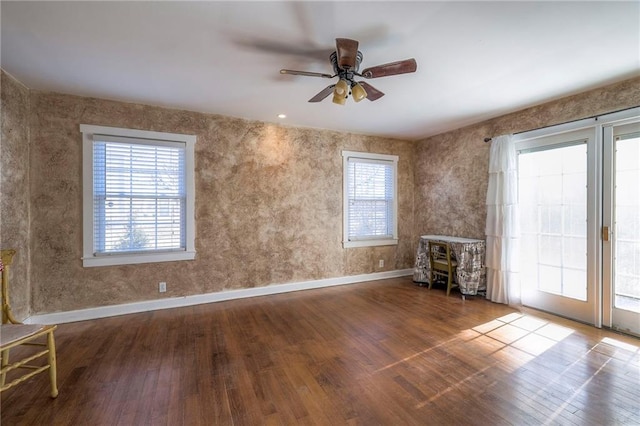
pixel 14 189
pixel 452 168
pixel 268 205
pixel 268 198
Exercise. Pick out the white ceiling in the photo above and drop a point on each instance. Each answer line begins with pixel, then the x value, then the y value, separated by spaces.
pixel 476 60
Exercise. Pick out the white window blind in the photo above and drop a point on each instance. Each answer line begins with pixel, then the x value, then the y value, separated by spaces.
pixel 139 195
pixel 370 198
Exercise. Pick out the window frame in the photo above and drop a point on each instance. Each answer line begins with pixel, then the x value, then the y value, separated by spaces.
pixel 372 241
pixel 89 258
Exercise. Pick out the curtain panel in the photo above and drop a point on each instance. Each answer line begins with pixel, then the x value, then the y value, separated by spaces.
pixel 502 227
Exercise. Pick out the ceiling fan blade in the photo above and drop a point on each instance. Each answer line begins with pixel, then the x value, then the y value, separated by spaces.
pixel 392 68
pixel 372 92
pixel 323 94
pixel 306 73
pixel 306 51
pixel 347 51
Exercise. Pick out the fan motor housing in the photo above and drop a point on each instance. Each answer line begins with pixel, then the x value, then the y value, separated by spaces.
pixel 346 73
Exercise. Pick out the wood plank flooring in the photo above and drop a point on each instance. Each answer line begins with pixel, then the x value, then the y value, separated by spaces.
pixel 377 353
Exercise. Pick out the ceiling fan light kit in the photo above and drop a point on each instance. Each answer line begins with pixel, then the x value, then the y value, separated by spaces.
pixel 339 99
pixel 358 92
pixel 341 92
pixel 346 63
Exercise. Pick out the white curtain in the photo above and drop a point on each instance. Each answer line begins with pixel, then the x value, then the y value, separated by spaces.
pixel 502 229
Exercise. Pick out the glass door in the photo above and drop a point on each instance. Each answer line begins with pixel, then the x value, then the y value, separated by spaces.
pixel 621 230
pixel 558 182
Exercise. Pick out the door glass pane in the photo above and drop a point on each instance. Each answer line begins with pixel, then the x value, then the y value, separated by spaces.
pixel 553 205
pixel 627 223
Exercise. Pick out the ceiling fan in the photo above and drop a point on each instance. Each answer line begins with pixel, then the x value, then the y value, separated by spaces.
pixel 346 63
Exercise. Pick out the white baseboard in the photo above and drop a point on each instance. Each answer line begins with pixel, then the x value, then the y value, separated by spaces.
pixel 176 302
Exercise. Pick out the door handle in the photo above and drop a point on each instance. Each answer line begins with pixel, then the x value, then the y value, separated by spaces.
pixel 605 233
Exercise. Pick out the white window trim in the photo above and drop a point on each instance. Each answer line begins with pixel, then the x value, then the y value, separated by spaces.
pixel 89 259
pixel 368 242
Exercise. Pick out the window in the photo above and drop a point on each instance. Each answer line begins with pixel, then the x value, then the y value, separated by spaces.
pixel 370 200
pixel 138 196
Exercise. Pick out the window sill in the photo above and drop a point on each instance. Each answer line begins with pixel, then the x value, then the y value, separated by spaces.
pixel 369 243
pixel 114 260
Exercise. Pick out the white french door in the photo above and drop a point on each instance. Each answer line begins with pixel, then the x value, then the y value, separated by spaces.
pixel 621 221
pixel 579 197
pixel 558 190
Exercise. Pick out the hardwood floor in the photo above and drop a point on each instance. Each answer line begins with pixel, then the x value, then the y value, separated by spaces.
pixel 377 353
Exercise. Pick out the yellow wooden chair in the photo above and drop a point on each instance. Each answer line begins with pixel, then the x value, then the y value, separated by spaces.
pixel 13 334
pixel 442 266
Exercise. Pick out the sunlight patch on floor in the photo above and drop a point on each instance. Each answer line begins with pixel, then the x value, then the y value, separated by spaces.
pixel 509 343
pixel 529 323
pixel 555 332
pixel 620 344
pixel 534 344
pixel 511 358
pixel 488 326
pixel 453 387
pixel 569 400
pixel 511 340
pixel 393 364
pixel 508 333
pixel 516 339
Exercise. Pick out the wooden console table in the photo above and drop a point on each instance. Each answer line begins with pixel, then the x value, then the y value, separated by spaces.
pixel 470 274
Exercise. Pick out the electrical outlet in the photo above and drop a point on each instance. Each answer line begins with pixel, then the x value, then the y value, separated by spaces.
pixel 381 263
pixel 162 287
